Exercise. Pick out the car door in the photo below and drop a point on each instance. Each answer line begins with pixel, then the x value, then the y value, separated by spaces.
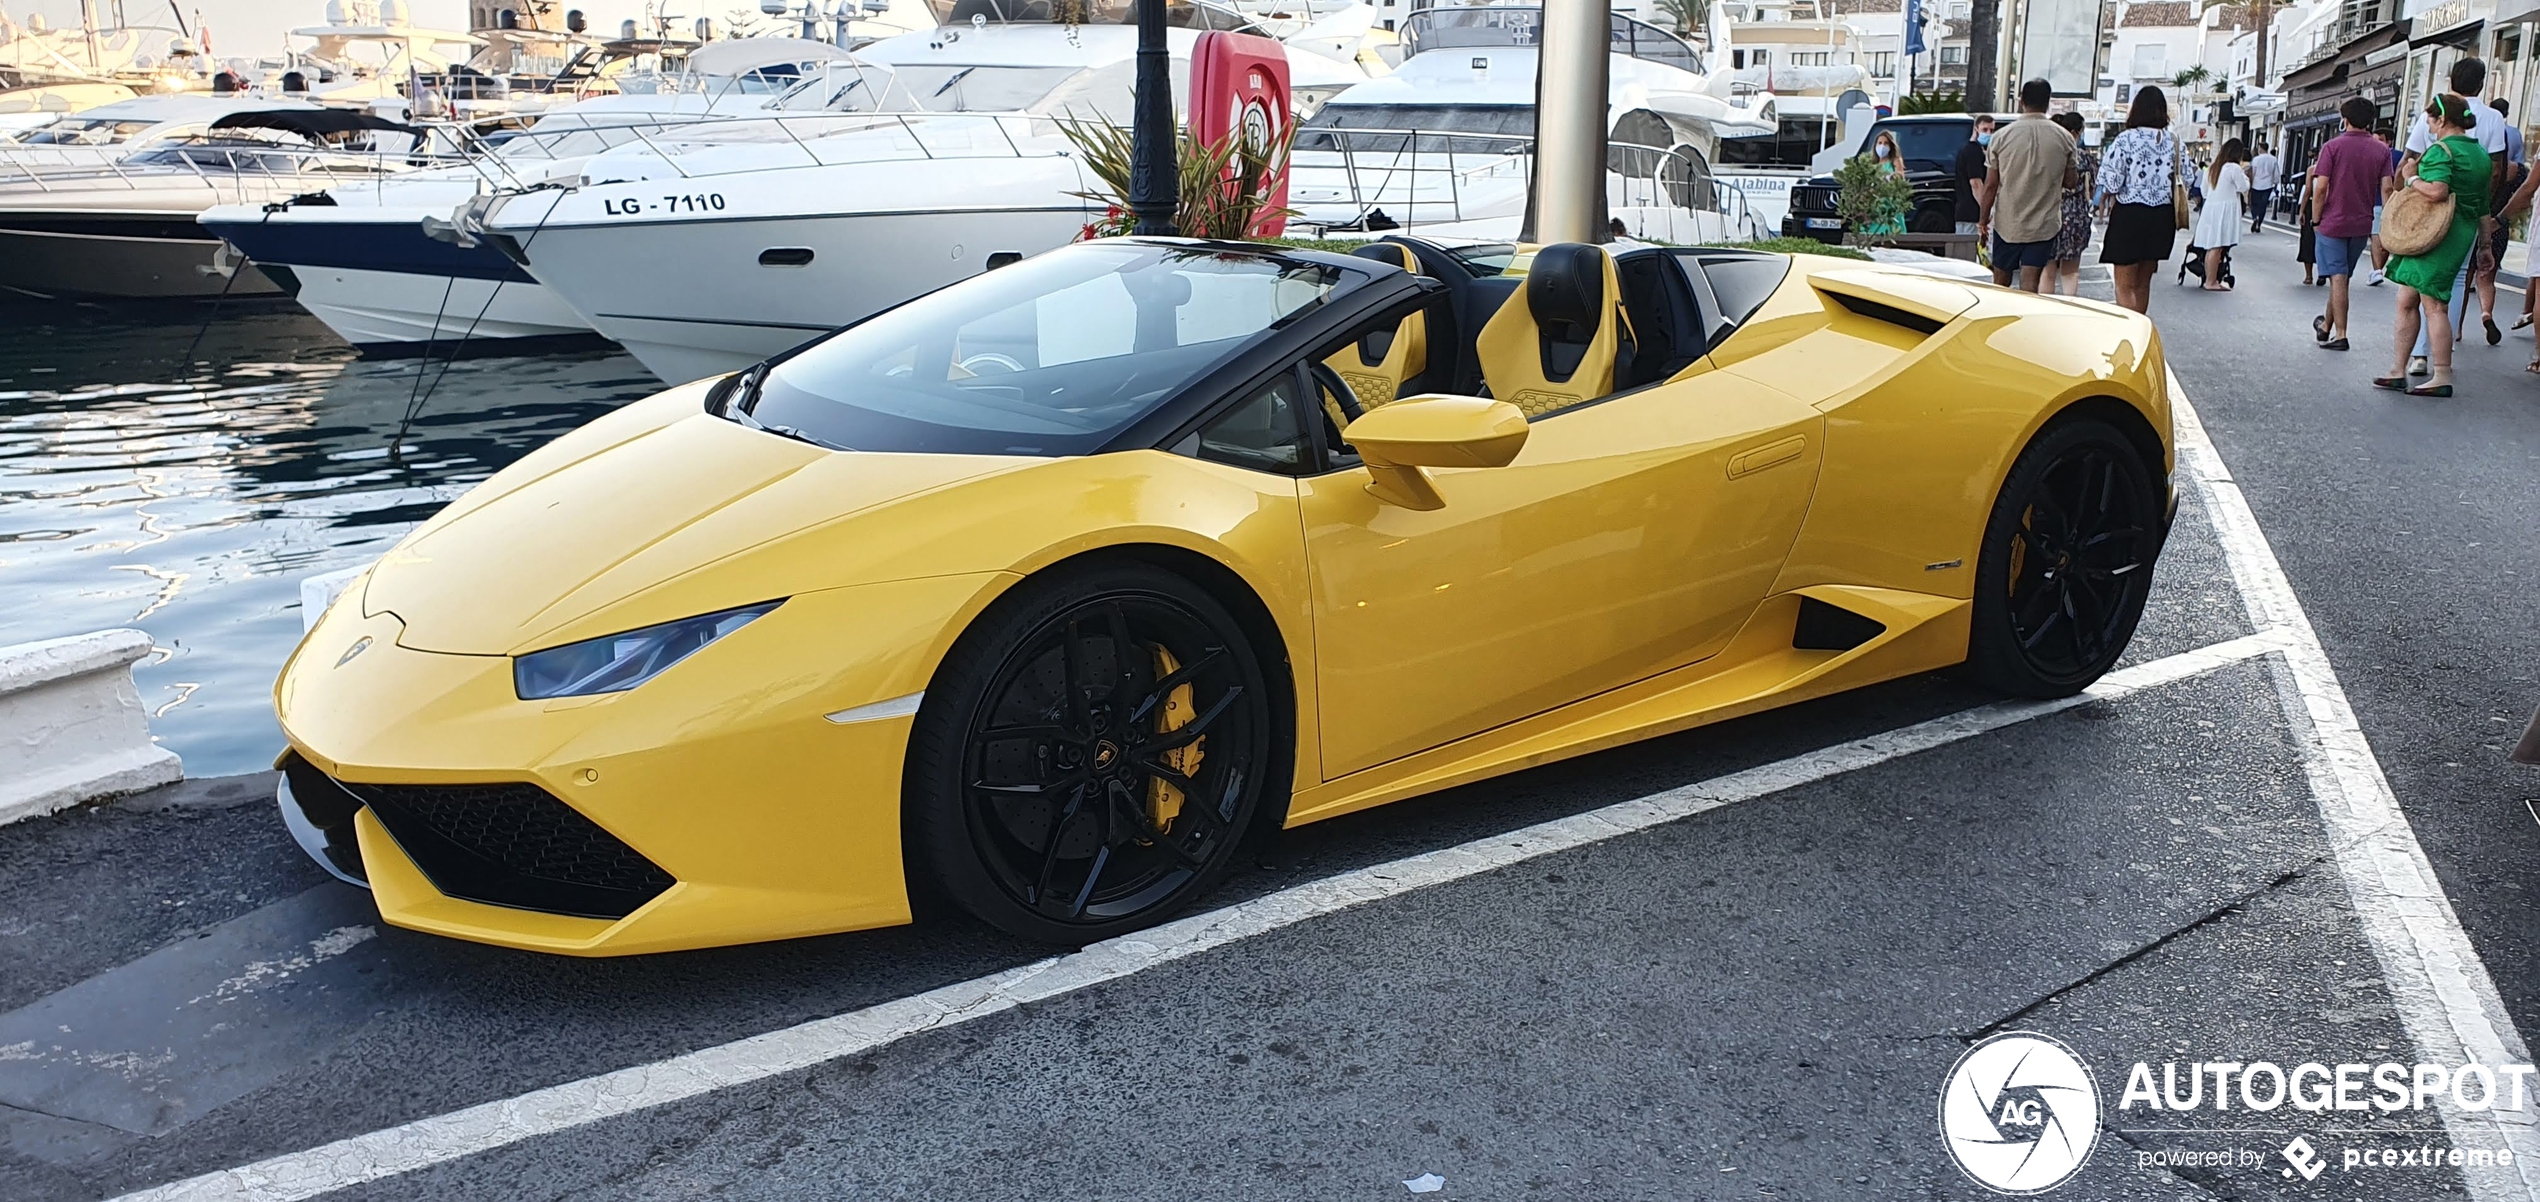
pixel 1630 536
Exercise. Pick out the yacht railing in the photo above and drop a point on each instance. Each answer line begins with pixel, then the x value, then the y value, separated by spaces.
pixel 1428 177
pixel 951 137
pixel 229 166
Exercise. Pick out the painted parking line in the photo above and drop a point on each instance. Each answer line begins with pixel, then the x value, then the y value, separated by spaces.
pixel 2437 982
pixel 461 1133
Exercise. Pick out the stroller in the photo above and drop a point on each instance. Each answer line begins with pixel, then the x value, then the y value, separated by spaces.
pixel 2195 266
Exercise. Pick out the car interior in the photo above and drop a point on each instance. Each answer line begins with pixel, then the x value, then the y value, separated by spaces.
pixel 1581 325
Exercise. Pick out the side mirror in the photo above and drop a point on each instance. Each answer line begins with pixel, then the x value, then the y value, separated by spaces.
pixel 1396 440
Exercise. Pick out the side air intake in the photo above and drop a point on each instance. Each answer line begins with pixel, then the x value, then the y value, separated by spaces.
pixel 1888 313
pixel 1824 627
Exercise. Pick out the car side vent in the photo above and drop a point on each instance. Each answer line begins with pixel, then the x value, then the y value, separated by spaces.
pixel 1887 313
pixel 1824 627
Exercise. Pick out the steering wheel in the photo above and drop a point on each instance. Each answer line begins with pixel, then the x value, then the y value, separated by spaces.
pixel 990 359
pixel 1330 381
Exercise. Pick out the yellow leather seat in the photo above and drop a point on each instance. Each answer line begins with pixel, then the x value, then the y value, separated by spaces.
pixel 1376 366
pixel 1555 341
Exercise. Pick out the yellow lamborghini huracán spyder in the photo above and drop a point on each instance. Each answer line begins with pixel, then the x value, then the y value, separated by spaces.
pixel 1042 591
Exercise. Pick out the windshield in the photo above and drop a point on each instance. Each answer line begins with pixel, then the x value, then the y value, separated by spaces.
pixel 72 131
pixel 1926 145
pixel 1050 356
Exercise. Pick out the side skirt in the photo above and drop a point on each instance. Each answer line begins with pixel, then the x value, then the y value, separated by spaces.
pixel 1760 669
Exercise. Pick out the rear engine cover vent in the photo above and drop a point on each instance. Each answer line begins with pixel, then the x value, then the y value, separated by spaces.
pixel 1824 627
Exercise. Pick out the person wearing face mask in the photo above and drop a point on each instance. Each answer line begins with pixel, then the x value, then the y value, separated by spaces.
pixel 1970 169
pixel 1889 218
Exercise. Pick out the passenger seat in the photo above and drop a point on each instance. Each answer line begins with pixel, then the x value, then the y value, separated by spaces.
pixel 1557 339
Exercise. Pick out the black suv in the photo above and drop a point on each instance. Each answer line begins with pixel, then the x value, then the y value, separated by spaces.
pixel 1930 144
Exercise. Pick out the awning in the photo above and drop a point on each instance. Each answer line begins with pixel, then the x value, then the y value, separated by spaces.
pixel 311 123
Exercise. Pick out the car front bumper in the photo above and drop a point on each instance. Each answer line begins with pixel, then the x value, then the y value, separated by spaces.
pixel 718 803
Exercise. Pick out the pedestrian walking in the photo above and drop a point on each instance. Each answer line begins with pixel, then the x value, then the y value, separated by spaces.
pixel 2306 247
pixel 2218 225
pixel 2138 189
pixel 2453 168
pixel 2508 172
pixel 2265 172
pixel 2064 273
pixel 2468 78
pixel 1968 172
pixel 2347 181
pixel 2027 167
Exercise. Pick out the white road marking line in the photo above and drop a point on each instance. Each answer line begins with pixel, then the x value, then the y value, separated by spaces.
pixel 2442 991
pixel 462 1133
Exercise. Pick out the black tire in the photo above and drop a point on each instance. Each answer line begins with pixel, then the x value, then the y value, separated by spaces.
pixel 1051 790
pixel 2066 563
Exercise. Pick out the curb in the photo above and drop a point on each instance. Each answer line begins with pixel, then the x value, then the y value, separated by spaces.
pixel 74 727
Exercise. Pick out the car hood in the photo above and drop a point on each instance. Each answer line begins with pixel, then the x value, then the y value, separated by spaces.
pixel 656 512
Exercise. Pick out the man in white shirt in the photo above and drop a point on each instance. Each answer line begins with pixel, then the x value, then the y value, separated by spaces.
pixel 2265 172
pixel 2469 78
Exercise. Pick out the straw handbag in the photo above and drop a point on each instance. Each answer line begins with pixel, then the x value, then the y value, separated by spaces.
pixel 2414 223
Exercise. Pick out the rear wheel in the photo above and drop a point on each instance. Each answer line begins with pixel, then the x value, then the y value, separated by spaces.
pixel 2066 564
pixel 1088 760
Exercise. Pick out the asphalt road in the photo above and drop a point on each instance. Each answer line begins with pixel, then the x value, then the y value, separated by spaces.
pixel 1762 1000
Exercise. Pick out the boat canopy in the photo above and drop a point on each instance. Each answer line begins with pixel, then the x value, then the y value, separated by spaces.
pixel 740 56
pixel 310 123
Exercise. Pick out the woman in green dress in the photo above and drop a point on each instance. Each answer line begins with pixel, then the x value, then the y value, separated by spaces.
pixel 2455 166
pixel 1889 217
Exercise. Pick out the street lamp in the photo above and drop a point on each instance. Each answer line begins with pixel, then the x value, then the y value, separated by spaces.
pixel 1154 175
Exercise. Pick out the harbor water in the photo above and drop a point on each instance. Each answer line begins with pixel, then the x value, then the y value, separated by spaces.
pixel 180 469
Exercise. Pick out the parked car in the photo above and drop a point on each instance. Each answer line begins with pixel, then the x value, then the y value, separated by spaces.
pixel 1930 144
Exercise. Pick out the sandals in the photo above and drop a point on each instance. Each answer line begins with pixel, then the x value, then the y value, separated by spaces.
pixel 2522 321
pixel 2432 390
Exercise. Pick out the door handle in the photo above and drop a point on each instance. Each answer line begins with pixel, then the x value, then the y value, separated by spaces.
pixel 1771 454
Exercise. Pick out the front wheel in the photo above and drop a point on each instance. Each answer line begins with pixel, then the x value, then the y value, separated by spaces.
pixel 1089 758
pixel 2066 563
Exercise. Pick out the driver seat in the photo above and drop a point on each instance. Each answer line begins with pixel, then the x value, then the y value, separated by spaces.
pixel 1377 366
pixel 1556 341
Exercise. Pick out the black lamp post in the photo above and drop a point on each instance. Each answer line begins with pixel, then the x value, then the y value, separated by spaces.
pixel 1154 173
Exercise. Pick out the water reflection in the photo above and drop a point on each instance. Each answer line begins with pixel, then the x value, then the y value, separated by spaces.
pixel 190 501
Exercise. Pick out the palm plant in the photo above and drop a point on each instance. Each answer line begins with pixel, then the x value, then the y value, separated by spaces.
pixel 1225 184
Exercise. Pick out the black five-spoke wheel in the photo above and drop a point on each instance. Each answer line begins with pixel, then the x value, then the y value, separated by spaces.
pixel 1089 760
pixel 2067 562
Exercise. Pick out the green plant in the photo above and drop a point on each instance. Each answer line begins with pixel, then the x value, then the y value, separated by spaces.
pixel 1224 184
pixel 1873 200
pixel 1801 246
pixel 2192 78
pixel 1931 102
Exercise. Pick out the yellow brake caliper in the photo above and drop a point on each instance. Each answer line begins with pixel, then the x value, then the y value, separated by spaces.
pixel 1164 799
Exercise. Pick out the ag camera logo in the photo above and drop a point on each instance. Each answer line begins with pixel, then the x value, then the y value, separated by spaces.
pixel 2020 1113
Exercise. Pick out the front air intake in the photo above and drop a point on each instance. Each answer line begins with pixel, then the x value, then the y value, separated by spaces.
pixel 514 845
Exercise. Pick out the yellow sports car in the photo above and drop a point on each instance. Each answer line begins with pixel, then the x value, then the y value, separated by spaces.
pixel 1040 593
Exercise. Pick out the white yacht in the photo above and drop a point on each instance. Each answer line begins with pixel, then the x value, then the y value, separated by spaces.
pixel 94 138
pixel 1447 138
pixel 1811 60
pixel 127 229
pixel 386 268
pixel 714 247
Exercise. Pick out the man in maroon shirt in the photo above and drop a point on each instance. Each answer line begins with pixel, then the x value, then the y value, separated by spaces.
pixel 2347 182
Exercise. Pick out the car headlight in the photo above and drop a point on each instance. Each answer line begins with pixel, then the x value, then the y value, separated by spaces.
pixel 614 663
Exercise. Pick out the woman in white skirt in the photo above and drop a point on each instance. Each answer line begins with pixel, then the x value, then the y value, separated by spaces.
pixel 2226 210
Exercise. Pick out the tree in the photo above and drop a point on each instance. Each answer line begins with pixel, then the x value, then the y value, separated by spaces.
pixel 1687 14
pixel 2192 79
pixel 1984 29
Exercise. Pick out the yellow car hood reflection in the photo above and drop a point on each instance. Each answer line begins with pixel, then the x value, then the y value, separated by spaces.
pixel 555 554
